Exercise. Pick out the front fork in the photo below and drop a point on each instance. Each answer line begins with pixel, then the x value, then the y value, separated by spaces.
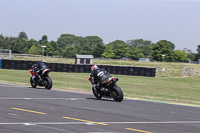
pixel 34 79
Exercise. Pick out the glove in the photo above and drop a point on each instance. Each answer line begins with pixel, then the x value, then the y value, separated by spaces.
pixel 94 86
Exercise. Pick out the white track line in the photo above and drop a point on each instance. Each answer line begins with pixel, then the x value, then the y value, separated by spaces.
pixel 12 85
pixel 154 122
pixel 43 123
pixel 27 98
pixel 67 123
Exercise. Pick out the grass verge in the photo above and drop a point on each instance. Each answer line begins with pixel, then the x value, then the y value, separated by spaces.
pixel 180 90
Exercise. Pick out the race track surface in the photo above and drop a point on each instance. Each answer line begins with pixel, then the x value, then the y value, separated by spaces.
pixel 27 110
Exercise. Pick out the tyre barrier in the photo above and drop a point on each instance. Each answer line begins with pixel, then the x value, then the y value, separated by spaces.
pixel 76 68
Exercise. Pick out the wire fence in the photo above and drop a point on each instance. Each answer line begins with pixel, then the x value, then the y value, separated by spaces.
pixel 5 54
pixel 191 71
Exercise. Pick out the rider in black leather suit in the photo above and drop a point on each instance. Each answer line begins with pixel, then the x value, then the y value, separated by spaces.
pixel 98 75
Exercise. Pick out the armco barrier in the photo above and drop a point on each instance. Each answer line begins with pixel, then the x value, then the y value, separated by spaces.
pixel 59 67
pixel 0 62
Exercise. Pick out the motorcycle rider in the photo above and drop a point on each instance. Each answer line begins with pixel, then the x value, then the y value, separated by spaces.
pixel 36 69
pixel 98 75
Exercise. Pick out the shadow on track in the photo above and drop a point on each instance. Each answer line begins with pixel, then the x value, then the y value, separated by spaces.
pixel 37 88
pixel 110 100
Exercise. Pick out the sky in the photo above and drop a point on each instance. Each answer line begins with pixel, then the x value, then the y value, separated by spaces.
pixel 177 21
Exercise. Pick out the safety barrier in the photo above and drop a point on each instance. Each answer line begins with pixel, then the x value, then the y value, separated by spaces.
pixel 59 67
pixel 0 62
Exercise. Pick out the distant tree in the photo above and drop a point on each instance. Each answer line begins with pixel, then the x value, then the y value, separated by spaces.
pixel 180 56
pixel 32 42
pixel 92 40
pixel 78 48
pixel 69 52
pixel 108 52
pixel 163 47
pixel 18 46
pixel 94 43
pixel 22 35
pixel 54 45
pixel 43 40
pixel 66 39
pixel 198 52
pixel 49 50
pixel 144 45
pixel 86 49
pixel 8 42
pixel 1 41
pixel 190 54
pixel 55 49
pixel 98 50
pixel 1 37
pixel 34 50
pixel 120 49
pixel 135 54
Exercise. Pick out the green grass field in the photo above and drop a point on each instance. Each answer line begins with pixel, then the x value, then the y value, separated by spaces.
pixel 171 89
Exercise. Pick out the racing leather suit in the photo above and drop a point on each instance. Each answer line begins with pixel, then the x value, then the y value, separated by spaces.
pixel 36 69
pixel 97 77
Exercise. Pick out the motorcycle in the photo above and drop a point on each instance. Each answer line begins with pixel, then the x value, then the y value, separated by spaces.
pixel 46 80
pixel 108 89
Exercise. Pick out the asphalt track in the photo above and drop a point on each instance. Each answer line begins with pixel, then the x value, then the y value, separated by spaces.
pixel 27 110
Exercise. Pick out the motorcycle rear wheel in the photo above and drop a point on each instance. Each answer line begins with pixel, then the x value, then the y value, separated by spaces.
pixel 96 94
pixel 117 93
pixel 33 83
pixel 48 83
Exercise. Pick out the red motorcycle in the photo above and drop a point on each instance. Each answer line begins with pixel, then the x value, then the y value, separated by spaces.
pixel 109 89
pixel 45 79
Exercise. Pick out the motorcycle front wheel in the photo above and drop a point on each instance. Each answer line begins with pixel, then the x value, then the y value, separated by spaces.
pixel 33 83
pixel 117 93
pixel 96 94
pixel 47 83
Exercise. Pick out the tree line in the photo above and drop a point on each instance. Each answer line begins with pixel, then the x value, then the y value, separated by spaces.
pixel 68 45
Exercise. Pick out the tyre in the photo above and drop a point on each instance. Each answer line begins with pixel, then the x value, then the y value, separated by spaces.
pixel 47 83
pixel 33 83
pixel 96 94
pixel 117 93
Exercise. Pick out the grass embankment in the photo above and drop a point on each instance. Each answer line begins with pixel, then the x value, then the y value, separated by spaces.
pixel 183 90
pixel 171 69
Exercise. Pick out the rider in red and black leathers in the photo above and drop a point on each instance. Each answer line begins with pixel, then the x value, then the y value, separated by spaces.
pixel 98 75
pixel 36 69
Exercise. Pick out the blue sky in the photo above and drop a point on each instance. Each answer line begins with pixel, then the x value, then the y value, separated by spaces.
pixel 177 21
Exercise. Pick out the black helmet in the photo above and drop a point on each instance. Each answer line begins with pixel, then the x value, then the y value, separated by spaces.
pixel 40 64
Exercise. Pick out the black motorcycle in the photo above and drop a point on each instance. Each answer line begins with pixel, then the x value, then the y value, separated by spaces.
pixel 46 80
pixel 109 89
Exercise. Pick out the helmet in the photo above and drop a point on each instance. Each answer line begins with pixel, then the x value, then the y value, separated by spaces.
pixel 94 67
pixel 40 64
